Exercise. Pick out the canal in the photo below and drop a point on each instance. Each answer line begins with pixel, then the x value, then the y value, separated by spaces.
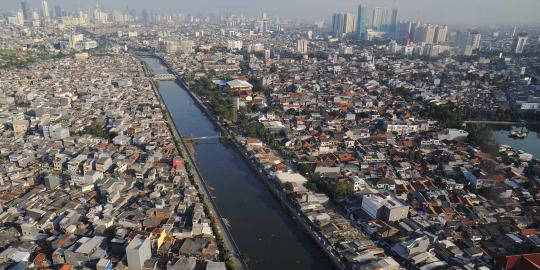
pixel 264 232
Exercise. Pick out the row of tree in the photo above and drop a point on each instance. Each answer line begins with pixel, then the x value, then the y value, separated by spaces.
pixel 221 103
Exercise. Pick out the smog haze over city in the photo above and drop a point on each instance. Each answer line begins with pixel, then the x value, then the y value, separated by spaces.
pixel 264 135
pixel 480 12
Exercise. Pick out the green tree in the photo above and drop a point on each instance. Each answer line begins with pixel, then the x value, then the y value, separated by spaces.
pixel 303 168
pixel 97 129
pixel 343 189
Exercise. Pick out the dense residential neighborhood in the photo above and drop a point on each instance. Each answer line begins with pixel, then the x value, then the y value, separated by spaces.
pixel 89 166
pixel 378 147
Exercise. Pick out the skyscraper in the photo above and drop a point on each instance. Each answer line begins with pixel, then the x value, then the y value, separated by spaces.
pixel 145 16
pixel 349 23
pixel 361 18
pixel 403 32
pixel 414 25
pixel 475 40
pixel 45 6
pixel 424 33
pixel 26 9
pixel 337 23
pixel 377 18
pixel 468 41
pixel 57 11
pixel 393 22
pixel 302 46
pixel 519 42
pixel 440 34
pixel 463 39
pixel 343 23
pixel 384 20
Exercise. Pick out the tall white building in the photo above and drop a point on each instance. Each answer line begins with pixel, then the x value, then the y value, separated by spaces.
pixel 440 34
pixel 519 43
pixel 343 23
pixel 302 46
pixel 384 19
pixel 378 17
pixel 475 40
pixel 45 6
pixel 138 251
pixel 349 23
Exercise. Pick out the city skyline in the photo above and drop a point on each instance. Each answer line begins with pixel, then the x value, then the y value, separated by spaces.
pixel 477 12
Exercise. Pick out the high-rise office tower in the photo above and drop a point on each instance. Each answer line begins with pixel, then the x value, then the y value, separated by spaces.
pixel 393 22
pixel 403 32
pixel 144 16
pixel 57 11
pixel 302 46
pixel 468 41
pixel 26 9
pixel 519 42
pixel 420 33
pixel 45 6
pixel 440 34
pixel 463 39
pixel 361 18
pixel 337 23
pixel 414 25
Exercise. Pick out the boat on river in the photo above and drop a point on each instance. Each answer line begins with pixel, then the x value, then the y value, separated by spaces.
pixel 518 134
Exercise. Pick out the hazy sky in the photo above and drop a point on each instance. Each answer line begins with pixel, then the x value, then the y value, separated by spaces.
pixel 483 12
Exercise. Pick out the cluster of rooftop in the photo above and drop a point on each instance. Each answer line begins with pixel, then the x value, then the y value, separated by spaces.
pixel 90 175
